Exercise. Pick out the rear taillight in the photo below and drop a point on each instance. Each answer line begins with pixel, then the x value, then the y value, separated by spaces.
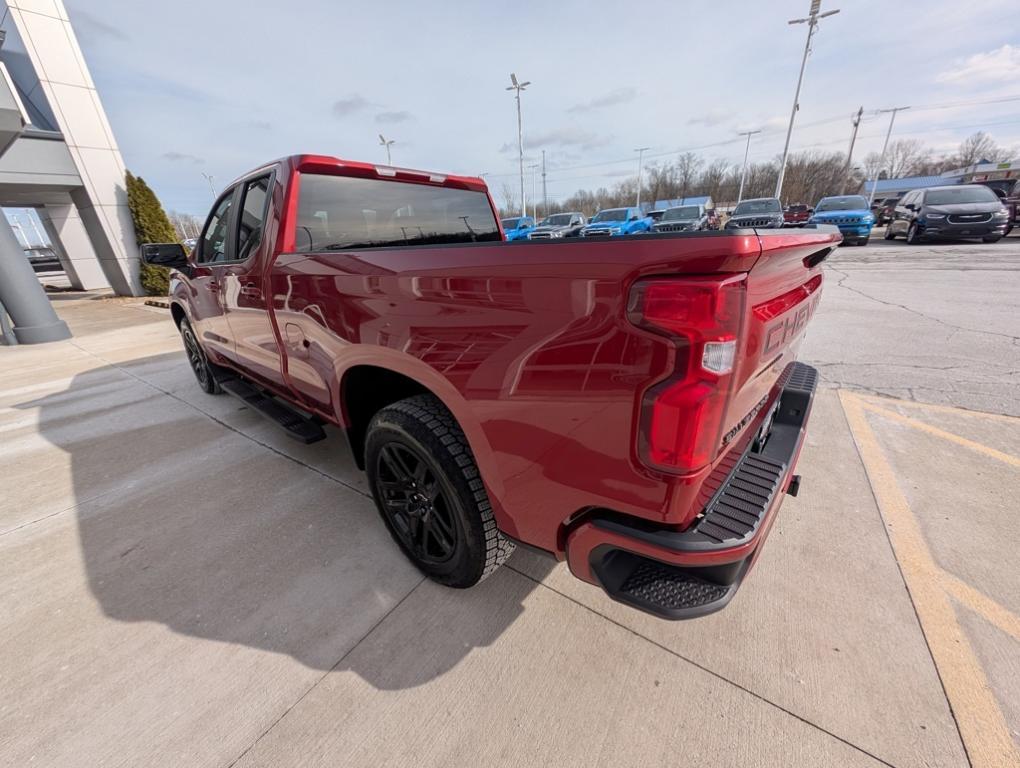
pixel 682 417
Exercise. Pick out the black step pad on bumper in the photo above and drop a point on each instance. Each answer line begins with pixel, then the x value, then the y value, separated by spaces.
pixel 295 424
pixel 732 518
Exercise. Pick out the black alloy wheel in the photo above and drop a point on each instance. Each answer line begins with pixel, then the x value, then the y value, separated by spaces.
pixel 198 361
pixel 415 503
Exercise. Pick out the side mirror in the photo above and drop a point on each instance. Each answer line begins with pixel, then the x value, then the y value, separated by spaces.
pixel 633 218
pixel 169 255
pixel 810 210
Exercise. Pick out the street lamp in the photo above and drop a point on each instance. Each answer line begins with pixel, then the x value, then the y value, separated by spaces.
pixel 640 155
pixel 812 22
pixel 384 142
pixel 885 146
pixel 743 171
pixel 518 87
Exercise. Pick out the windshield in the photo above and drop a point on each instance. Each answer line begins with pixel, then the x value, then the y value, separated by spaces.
pixel 510 223
pixel 849 203
pixel 613 214
pixel 687 212
pixel 557 220
pixel 765 205
pixel 961 195
pixel 797 208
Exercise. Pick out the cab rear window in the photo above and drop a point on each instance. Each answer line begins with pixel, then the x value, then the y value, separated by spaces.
pixel 340 212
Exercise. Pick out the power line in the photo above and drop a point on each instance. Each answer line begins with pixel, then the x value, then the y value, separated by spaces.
pixel 869 116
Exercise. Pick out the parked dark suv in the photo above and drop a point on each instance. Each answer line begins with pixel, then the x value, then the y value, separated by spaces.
pixel 683 218
pixel 762 213
pixel 949 213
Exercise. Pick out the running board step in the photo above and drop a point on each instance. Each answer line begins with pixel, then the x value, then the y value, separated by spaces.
pixel 296 425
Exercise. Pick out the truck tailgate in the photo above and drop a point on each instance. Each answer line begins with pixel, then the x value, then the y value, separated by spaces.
pixel 783 291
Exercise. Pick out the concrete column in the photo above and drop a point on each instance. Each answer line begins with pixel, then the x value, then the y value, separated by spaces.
pixel 23 296
pixel 67 233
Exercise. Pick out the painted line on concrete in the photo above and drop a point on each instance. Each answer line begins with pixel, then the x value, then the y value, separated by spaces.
pixel 885 401
pixel 982 726
pixel 952 437
pixel 981 604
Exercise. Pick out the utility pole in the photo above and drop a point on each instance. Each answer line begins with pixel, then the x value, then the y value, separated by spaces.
pixel 534 188
pixel 640 155
pixel 518 87
pixel 212 187
pixel 885 146
pixel 545 192
pixel 743 171
pixel 812 21
pixel 383 141
pixel 850 152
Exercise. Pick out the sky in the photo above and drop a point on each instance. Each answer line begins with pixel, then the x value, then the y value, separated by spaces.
pixel 214 88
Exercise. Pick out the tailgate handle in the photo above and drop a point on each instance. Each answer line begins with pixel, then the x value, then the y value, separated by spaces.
pixel 817 258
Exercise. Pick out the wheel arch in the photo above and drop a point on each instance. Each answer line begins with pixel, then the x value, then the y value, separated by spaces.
pixel 365 387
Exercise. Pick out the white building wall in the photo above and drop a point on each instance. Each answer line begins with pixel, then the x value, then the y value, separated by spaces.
pixel 50 43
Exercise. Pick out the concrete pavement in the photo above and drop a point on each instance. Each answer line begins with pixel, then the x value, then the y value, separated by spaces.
pixel 181 584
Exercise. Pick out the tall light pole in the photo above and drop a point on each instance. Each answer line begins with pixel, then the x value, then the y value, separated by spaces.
pixel 850 152
pixel 384 142
pixel 534 188
pixel 812 21
pixel 545 192
pixel 885 146
pixel 640 156
pixel 518 87
pixel 743 171
pixel 212 187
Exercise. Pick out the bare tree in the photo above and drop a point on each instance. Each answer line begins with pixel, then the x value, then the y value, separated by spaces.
pixel 687 167
pixel 510 202
pixel 980 146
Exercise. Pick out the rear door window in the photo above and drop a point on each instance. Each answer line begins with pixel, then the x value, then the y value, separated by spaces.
pixel 342 212
pixel 252 219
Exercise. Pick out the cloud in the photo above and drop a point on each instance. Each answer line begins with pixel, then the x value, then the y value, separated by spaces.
pixel 400 116
pixel 998 65
pixel 560 137
pixel 611 99
pixel 183 157
pixel 350 105
pixel 710 119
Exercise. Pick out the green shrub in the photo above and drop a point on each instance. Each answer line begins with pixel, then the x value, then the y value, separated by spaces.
pixel 151 226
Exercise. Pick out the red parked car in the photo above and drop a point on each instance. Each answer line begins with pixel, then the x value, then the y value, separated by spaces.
pixel 796 215
pixel 631 406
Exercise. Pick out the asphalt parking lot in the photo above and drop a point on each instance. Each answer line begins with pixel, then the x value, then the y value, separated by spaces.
pixel 180 584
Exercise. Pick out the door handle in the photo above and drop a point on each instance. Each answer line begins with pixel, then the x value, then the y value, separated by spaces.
pixel 213 286
pixel 251 291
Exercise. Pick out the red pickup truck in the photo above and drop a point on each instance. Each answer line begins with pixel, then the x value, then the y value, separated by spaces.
pixel 631 406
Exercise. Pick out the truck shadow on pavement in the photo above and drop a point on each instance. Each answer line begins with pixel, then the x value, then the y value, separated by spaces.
pixel 187 520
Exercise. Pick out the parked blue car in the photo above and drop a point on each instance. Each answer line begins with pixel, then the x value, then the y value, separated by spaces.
pixel 851 213
pixel 518 228
pixel 617 221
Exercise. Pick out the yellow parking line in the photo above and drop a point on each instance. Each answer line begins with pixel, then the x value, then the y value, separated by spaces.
pixel 982 726
pixel 886 401
pixel 951 436
pixel 981 604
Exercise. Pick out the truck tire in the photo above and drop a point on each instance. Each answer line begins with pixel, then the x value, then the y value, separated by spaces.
pixel 429 493
pixel 198 361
